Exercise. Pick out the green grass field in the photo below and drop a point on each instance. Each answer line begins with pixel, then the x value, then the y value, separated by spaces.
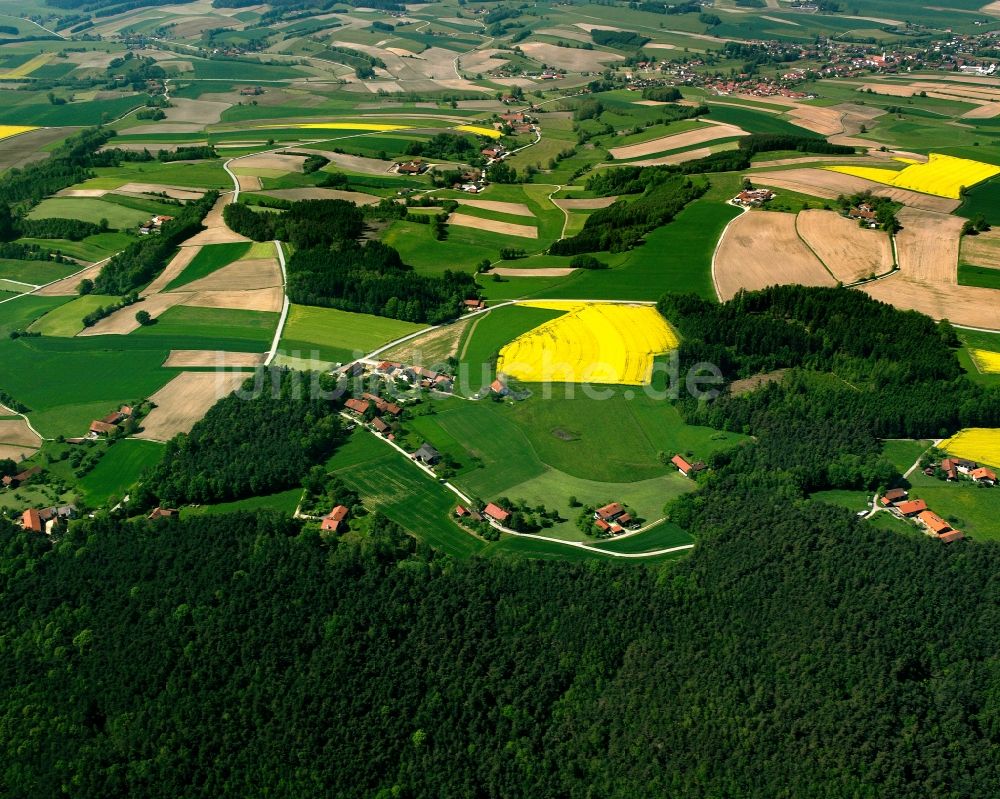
pixel 284 502
pixel 210 258
pixel 67 320
pixel 982 276
pixel 333 335
pixel 904 453
pixel 36 272
pixel 660 537
pixel 389 483
pixel 120 468
pixel 228 328
pixel 484 338
pixel 89 209
pixel 91 249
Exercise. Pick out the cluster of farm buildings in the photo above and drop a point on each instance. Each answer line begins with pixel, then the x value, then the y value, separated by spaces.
pixel 898 502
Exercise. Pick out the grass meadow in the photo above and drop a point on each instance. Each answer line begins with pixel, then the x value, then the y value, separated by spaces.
pixel 338 335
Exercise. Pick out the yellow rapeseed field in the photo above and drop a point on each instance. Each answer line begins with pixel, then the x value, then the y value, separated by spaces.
pixel 986 361
pixel 28 66
pixel 942 175
pixel 980 444
pixel 593 342
pixel 479 131
pixel 373 126
pixel 6 131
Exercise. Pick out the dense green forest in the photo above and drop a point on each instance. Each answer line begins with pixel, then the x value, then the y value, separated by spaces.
pixel 331 267
pixel 859 371
pixel 257 441
pixel 796 653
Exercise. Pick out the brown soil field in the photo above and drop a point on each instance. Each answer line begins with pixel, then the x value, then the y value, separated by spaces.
pixel 963 305
pixel 67 286
pixel 275 161
pixel 163 127
pixel 82 192
pixel 216 231
pixel 219 358
pixel 324 194
pixel 748 384
pixel 353 163
pixel 985 111
pixel 185 400
pixel 830 185
pixel 745 257
pixel 180 262
pixel 659 46
pixel 123 322
pixel 175 192
pixel 572 60
pixel 506 228
pixel 815 159
pixel 16 454
pixel 927 246
pixel 203 112
pixel 674 158
pixel 437 345
pixel 17 433
pixel 677 141
pixel 545 271
pixel 982 250
pixel 249 182
pixel 18 151
pixel 825 121
pixel 246 275
pixel 588 204
pixel 849 251
pixel 482 61
pixel 517 209
pixel 648 102
pixel 254 300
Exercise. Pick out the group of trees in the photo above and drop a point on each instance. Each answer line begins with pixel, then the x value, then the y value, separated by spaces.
pixel 623 224
pixel 60 228
pixel 884 208
pixel 622 40
pixel 449 147
pixel 257 441
pixel 143 259
pixel 180 657
pixel 860 371
pixel 331 268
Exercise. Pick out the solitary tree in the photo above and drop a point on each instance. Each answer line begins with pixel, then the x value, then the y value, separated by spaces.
pixel 143 318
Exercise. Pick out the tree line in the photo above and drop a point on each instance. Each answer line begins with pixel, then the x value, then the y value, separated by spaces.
pixel 142 260
pixel 332 268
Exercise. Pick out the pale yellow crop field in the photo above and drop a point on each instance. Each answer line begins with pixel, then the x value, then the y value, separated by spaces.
pixel 979 444
pixel 593 342
pixel 479 131
pixel 6 131
pixel 942 175
pixel 28 66
pixel 986 361
pixel 370 126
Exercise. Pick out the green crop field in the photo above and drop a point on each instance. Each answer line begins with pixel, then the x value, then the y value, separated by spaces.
pixel 983 276
pixel 67 382
pixel 89 209
pixel 489 333
pixel 233 329
pixel 332 335
pixel 199 175
pixel 36 272
pixel 19 314
pixel 210 258
pixel 67 320
pixel 392 485
pixel 904 453
pixel 91 249
pixel 283 502
pixel 660 537
pixel 119 468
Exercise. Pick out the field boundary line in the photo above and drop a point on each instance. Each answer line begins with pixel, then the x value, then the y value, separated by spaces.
pixel 808 246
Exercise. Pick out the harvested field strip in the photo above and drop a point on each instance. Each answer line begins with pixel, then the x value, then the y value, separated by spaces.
pixel 592 342
pixel 189 359
pixel 677 141
pixel 493 226
pixel 982 249
pixel 516 209
pixel 745 257
pixel 986 361
pixel 27 67
pixel 927 246
pixel 6 131
pixel 850 252
pixel 15 432
pixel 942 175
pixel 185 400
pixel 369 126
pixel 979 444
